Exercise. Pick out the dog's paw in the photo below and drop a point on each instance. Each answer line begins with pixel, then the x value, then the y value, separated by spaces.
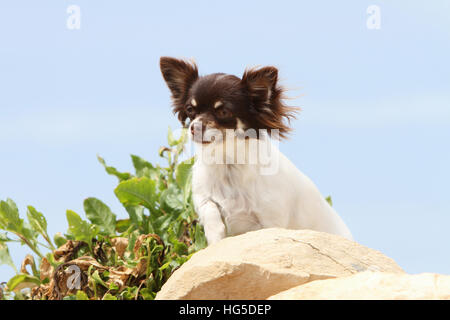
pixel 214 237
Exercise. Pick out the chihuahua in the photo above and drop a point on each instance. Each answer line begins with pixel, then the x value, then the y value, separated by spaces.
pixel 240 181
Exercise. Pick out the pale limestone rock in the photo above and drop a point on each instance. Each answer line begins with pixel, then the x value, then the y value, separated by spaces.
pixel 372 285
pixel 259 264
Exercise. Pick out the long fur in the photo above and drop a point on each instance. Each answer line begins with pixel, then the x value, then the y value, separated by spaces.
pixel 231 197
pixel 235 198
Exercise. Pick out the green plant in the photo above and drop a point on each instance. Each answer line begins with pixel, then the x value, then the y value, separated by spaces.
pixel 104 257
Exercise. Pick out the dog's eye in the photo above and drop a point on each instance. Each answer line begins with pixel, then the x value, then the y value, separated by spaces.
pixel 223 113
pixel 189 110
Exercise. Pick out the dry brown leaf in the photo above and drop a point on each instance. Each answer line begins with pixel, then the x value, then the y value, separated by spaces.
pixel 59 283
pixel 46 269
pixel 120 244
pixel 85 262
pixel 120 276
pixel 68 250
pixel 28 261
pixel 138 244
pixel 40 292
pixel 141 268
pixel 25 285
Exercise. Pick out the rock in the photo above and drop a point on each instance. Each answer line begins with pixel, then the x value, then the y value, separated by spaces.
pixel 259 264
pixel 372 285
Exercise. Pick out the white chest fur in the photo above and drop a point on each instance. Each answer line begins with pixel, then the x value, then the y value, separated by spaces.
pixel 231 199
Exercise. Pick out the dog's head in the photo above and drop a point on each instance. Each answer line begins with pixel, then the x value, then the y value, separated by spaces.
pixel 220 101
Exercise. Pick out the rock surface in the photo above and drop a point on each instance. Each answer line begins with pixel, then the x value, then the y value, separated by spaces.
pixel 259 264
pixel 373 285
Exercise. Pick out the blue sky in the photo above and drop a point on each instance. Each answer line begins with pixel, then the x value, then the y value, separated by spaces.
pixel 374 131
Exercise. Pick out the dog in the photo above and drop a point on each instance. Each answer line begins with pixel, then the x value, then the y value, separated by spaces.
pixel 233 196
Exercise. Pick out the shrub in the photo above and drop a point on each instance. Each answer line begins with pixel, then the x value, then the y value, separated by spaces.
pixel 104 257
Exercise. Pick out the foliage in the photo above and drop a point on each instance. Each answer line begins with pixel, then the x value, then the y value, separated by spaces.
pixel 104 257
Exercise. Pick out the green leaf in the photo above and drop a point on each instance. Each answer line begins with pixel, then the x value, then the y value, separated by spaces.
pixel 122 176
pixel 170 139
pixel 81 295
pixel 199 238
pixel 183 172
pixel 160 224
pixel 9 216
pixel 137 191
pixel 29 233
pixel 5 257
pixel 113 286
pixel 4 237
pixel 21 281
pixel 147 294
pixel 179 247
pixel 100 214
pixel 51 258
pixel 329 200
pixel 109 296
pixel 79 228
pixel 136 214
pixel 37 221
pixel 183 176
pixel 172 198
pixel 144 168
pixel 95 275
pixel 59 239
pixel 129 293
pixel 132 238
pixel 176 142
pixel 13 206
pixel 123 225
pixel 11 221
pixel 165 265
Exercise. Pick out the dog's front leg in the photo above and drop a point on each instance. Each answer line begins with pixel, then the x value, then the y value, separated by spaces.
pixel 211 219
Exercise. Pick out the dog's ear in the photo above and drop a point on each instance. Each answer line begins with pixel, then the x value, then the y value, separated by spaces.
pixel 261 84
pixel 179 76
pixel 267 99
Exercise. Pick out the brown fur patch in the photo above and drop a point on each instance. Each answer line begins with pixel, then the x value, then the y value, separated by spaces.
pixel 256 99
